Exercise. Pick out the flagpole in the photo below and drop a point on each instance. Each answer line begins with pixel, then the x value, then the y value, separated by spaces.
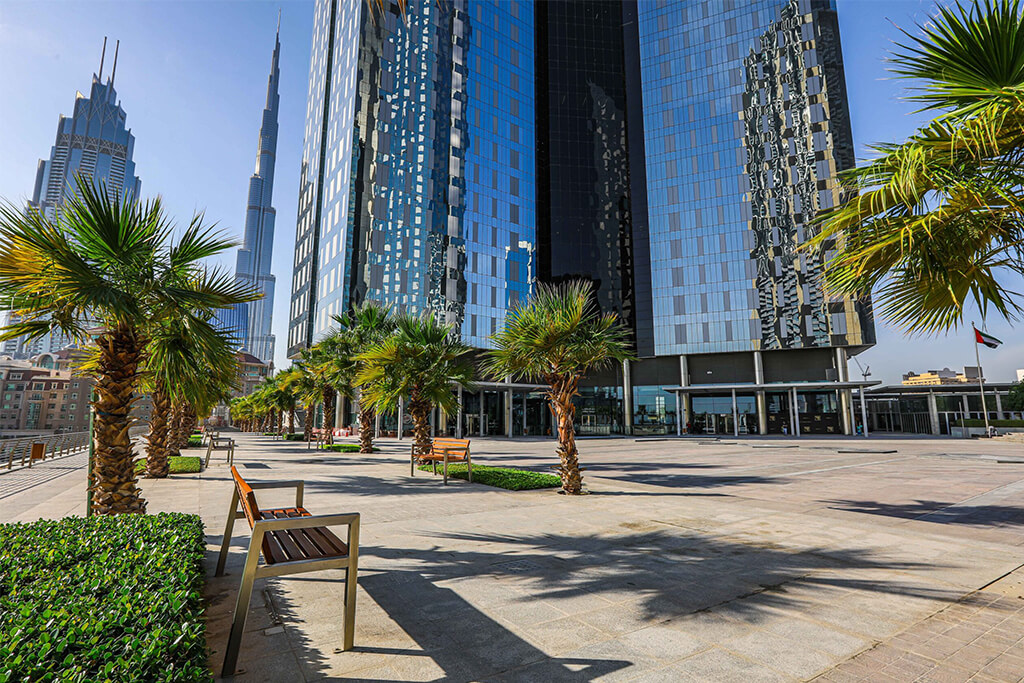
pixel 981 379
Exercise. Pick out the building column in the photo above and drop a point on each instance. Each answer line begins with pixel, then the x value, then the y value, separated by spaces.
pixel 458 425
pixel 401 417
pixel 683 402
pixel 433 422
pixel 376 424
pixel 864 411
pixel 999 406
pixel 524 411
pixel 967 408
pixel 844 395
pixel 481 426
pixel 762 399
pixel 933 412
pixel 796 414
pixel 508 412
pixel 339 410
pixel 735 416
pixel 679 416
pixel 627 395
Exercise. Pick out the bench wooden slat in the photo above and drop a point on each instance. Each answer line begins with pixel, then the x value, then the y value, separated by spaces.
pixel 327 541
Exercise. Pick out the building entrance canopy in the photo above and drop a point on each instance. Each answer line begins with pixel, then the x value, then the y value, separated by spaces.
pixel 769 386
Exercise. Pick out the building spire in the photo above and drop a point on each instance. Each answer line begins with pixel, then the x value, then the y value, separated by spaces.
pixel 279 22
pixel 113 71
pixel 103 55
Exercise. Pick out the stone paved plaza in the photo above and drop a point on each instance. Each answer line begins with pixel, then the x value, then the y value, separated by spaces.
pixel 747 560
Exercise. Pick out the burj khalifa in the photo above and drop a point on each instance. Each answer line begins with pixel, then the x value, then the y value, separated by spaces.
pixel 251 323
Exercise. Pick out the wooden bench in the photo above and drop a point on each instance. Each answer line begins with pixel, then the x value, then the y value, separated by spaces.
pixel 292 541
pixel 445 450
pixel 221 443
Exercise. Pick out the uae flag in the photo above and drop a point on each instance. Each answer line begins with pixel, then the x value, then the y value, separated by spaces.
pixel 986 339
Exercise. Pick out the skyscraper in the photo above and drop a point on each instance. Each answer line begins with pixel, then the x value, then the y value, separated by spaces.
pixel 674 154
pixel 251 322
pixel 92 144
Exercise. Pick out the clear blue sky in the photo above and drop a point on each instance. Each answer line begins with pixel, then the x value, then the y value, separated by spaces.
pixel 192 79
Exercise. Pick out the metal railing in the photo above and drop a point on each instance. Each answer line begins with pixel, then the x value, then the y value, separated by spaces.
pixel 54 446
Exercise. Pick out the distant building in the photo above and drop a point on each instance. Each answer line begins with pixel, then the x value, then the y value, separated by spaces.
pixel 94 144
pixel 944 376
pixel 251 371
pixel 34 398
pixel 1020 374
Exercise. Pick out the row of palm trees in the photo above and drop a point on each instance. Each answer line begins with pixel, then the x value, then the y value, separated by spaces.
pixel 109 271
pixel 379 359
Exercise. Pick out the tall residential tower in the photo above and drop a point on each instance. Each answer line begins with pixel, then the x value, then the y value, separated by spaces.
pixel 673 154
pixel 251 322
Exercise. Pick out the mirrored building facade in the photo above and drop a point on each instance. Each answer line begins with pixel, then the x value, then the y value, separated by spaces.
pixel 674 153
pixel 418 180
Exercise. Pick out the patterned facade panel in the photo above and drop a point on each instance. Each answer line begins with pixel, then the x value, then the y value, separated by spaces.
pixel 742 151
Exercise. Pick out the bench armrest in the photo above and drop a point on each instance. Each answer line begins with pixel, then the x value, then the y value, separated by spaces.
pixel 297 484
pixel 306 522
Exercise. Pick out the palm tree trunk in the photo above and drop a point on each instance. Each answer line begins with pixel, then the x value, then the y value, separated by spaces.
pixel 291 420
pixel 309 421
pixel 190 420
pixel 114 480
pixel 419 411
pixel 280 422
pixel 174 430
pixel 156 450
pixel 365 429
pixel 330 396
pixel 562 392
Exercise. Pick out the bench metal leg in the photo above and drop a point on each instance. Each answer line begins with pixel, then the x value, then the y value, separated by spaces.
pixel 469 466
pixel 351 581
pixel 228 528
pixel 412 465
pixel 209 452
pixel 445 469
pixel 242 605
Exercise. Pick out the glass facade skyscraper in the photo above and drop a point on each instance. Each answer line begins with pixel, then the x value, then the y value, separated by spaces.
pixel 672 153
pixel 250 323
pixel 418 176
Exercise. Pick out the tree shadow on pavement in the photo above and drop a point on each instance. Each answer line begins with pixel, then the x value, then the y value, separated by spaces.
pixel 940 512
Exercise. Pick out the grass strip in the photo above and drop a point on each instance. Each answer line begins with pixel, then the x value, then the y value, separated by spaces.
pixel 500 477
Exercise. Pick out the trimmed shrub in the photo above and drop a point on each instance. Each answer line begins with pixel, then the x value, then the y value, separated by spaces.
pixel 177 464
pixel 994 423
pixel 500 477
pixel 103 599
pixel 295 436
pixel 195 441
pixel 342 447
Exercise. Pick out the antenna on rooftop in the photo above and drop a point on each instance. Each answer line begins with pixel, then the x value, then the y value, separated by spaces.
pixel 113 72
pixel 103 55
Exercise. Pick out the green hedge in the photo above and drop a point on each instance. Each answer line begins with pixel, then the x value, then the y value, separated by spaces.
pixel 195 441
pixel 295 436
pixel 994 423
pixel 343 447
pixel 178 464
pixel 103 599
pixel 500 477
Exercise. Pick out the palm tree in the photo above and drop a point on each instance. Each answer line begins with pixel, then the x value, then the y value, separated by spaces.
pixel 290 383
pixel 321 361
pixel 420 362
pixel 108 268
pixel 302 385
pixel 189 362
pixel 558 335
pixel 938 221
pixel 366 325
